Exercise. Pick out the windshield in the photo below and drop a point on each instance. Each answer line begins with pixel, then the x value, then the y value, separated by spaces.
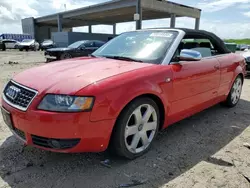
pixel 76 44
pixel 27 40
pixel 146 46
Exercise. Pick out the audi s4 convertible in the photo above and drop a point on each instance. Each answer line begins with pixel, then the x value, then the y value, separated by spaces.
pixel 138 83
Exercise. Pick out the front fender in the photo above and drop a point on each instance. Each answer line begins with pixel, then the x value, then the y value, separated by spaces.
pixel 113 102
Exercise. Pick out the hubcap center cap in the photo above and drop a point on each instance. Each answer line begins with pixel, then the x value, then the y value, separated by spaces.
pixel 140 127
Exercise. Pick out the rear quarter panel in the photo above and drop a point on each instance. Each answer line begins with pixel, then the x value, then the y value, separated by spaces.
pixel 231 65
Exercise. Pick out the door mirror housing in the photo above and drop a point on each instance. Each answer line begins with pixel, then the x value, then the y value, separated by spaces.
pixel 190 55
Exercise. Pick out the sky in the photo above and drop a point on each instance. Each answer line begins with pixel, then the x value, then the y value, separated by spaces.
pixel 226 18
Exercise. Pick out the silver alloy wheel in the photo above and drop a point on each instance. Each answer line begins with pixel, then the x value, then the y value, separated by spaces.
pixel 140 128
pixel 236 91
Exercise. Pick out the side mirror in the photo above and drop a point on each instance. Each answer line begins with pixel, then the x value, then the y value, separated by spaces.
pixel 190 55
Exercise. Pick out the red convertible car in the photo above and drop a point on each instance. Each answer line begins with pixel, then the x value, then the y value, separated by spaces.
pixel 133 86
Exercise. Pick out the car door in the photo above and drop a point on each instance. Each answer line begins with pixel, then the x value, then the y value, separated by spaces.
pixel 195 85
pixel 8 44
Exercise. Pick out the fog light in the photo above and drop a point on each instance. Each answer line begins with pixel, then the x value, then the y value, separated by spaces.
pixel 55 144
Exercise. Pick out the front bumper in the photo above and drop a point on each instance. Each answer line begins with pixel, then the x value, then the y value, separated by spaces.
pixel 47 47
pixel 25 47
pixel 36 124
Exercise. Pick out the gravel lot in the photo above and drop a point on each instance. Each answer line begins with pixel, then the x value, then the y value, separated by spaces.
pixel 205 150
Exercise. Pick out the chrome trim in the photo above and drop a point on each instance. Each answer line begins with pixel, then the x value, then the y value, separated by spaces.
pixel 174 46
pixel 16 106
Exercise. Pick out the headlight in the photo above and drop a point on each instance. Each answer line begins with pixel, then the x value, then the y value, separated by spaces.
pixel 66 103
pixel 248 59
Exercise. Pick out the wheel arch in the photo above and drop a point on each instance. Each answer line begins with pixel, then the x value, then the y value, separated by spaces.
pixel 241 76
pixel 156 99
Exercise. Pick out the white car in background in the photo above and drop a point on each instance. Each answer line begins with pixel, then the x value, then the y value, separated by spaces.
pixel 28 44
pixel 9 44
pixel 246 55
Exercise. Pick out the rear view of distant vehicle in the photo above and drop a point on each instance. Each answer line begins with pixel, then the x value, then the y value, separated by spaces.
pixel 246 55
pixel 47 44
pixel 8 44
pixel 28 44
pixel 77 49
pixel 242 47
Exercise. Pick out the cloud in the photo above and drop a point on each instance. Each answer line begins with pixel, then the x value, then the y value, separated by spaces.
pixel 220 4
pixel 63 5
pixel 13 11
pixel 69 4
pixel 247 14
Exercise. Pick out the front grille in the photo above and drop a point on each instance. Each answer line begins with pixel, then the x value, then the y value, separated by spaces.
pixel 18 96
pixel 20 133
pixel 54 143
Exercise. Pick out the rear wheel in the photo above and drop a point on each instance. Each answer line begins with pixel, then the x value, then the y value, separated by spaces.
pixel 235 93
pixel 136 128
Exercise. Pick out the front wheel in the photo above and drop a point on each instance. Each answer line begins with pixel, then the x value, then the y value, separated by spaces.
pixel 65 56
pixel 136 128
pixel 4 47
pixel 235 93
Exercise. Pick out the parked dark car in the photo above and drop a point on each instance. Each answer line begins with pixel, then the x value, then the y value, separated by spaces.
pixel 47 44
pixel 77 49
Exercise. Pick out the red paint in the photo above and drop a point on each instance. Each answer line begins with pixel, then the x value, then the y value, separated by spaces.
pixel 194 86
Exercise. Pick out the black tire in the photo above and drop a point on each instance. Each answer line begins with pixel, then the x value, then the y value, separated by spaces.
pixel 20 49
pixel 65 56
pixel 230 102
pixel 48 60
pixel 117 143
pixel 4 47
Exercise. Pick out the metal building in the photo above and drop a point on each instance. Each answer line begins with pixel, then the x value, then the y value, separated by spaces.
pixel 108 13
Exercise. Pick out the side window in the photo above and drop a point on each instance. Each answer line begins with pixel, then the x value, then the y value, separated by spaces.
pixel 202 45
pixel 89 44
pixel 98 44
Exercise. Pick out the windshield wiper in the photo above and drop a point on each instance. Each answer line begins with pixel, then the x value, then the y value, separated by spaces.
pixel 123 58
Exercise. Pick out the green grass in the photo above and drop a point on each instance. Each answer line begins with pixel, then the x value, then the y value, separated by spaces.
pixel 238 41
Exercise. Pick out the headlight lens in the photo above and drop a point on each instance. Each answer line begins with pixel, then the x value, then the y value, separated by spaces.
pixel 248 59
pixel 66 103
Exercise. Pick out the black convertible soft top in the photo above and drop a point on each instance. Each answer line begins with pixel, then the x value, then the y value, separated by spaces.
pixel 201 34
pixel 191 33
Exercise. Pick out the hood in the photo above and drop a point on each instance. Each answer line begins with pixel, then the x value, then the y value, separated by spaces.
pixel 26 43
pixel 59 49
pixel 47 43
pixel 69 76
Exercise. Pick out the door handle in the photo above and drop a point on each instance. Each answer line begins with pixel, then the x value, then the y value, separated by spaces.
pixel 217 67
